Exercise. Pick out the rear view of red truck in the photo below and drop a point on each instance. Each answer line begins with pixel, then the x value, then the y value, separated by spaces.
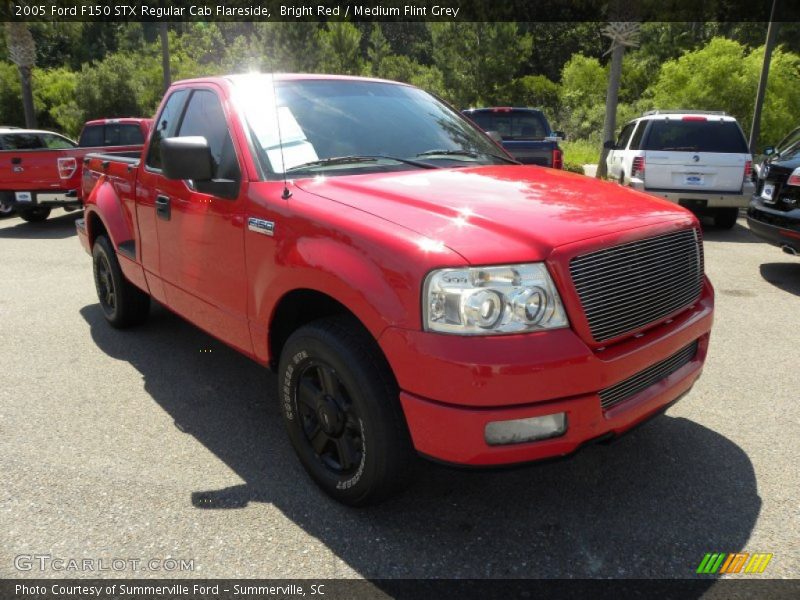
pixel 42 170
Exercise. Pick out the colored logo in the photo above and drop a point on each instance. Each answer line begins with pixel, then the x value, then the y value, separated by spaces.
pixel 719 563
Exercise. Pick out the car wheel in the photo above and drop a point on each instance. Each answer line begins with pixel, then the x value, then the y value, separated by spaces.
pixel 122 302
pixel 34 215
pixel 340 405
pixel 725 218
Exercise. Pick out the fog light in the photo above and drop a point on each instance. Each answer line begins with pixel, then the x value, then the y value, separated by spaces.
pixel 517 431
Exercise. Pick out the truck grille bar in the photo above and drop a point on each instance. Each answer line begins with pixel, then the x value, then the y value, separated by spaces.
pixel 632 285
pixel 620 392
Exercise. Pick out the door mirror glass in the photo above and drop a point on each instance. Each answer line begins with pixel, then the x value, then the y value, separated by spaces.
pixel 769 150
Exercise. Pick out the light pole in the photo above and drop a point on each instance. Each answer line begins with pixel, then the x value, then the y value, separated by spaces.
pixel 772 31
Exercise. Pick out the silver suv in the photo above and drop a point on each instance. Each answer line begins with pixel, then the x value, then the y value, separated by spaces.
pixel 698 159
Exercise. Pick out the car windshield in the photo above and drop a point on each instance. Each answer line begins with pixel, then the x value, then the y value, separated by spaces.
pixel 695 136
pixel 346 126
pixel 513 124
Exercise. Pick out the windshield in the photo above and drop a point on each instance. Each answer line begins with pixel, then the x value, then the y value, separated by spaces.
pixel 343 127
pixel 696 136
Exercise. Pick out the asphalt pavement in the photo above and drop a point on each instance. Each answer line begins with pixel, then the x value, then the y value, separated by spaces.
pixel 160 443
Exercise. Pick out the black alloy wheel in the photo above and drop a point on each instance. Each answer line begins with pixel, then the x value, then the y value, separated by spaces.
pixel 330 420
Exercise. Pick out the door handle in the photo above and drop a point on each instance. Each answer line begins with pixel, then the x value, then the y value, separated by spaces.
pixel 162 207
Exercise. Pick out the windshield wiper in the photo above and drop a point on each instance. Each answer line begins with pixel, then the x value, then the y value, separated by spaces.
pixel 444 152
pixel 468 153
pixel 344 160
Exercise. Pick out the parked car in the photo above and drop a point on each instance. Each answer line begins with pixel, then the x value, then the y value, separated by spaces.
pixel 774 213
pixel 524 132
pixel 698 159
pixel 416 290
pixel 42 170
pixel 773 152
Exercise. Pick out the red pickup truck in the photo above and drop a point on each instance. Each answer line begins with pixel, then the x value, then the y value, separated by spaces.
pixel 416 290
pixel 42 170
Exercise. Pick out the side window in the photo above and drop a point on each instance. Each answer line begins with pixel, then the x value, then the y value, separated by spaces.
pixel 91 136
pixel 636 142
pixel 165 127
pixel 23 141
pixel 624 136
pixel 204 117
pixel 56 142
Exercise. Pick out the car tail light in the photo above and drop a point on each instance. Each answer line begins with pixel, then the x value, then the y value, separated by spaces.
pixel 502 109
pixel 558 159
pixel 694 118
pixel 794 178
pixel 67 167
pixel 638 167
pixel 748 170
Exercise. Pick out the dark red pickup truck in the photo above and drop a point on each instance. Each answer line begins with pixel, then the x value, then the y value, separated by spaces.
pixel 417 292
pixel 42 170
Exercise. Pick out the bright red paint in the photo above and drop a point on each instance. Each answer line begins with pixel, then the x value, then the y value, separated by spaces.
pixel 368 242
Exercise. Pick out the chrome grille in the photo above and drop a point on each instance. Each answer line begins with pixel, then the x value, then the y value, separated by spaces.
pixel 620 392
pixel 632 285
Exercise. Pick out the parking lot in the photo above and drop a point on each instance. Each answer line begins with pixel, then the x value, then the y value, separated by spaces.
pixel 160 442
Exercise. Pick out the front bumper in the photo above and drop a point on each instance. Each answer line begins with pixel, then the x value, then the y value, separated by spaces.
pixel 452 386
pixel 708 199
pixel 778 227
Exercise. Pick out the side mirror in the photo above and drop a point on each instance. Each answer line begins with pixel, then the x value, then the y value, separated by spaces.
pixel 186 158
pixel 609 145
pixel 769 150
pixel 559 135
pixel 495 135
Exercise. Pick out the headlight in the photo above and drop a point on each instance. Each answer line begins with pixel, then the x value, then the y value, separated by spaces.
pixel 492 300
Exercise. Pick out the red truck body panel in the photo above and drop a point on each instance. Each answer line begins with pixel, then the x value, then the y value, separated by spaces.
pixel 368 242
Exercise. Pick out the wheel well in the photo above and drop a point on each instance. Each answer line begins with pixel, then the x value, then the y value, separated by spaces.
pixel 95 227
pixel 296 309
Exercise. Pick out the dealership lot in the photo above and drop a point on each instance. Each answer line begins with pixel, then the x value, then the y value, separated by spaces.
pixel 160 443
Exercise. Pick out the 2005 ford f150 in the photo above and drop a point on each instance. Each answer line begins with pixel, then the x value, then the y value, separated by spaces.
pixel 416 291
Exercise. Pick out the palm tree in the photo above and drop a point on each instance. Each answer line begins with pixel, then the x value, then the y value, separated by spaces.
pixel 22 52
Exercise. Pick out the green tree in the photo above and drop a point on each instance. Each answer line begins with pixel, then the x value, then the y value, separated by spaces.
pixel 340 48
pixel 56 93
pixel 723 75
pixel 478 59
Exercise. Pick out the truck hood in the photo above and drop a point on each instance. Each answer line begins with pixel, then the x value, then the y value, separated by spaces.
pixel 498 213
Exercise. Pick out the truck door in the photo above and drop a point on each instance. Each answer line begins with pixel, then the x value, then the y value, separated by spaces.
pixel 201 231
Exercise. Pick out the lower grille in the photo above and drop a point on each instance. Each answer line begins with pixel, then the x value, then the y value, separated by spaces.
pixel 620 392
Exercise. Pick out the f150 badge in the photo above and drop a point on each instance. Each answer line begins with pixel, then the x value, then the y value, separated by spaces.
pixel 261 226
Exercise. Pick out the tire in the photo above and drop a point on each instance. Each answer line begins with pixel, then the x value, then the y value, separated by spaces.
pixel 123 304
pixel 725 218
pixel 341 409
pixel 6 206
pixel 34 215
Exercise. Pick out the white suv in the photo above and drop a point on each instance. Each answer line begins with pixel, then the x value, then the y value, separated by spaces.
pixel 698 159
